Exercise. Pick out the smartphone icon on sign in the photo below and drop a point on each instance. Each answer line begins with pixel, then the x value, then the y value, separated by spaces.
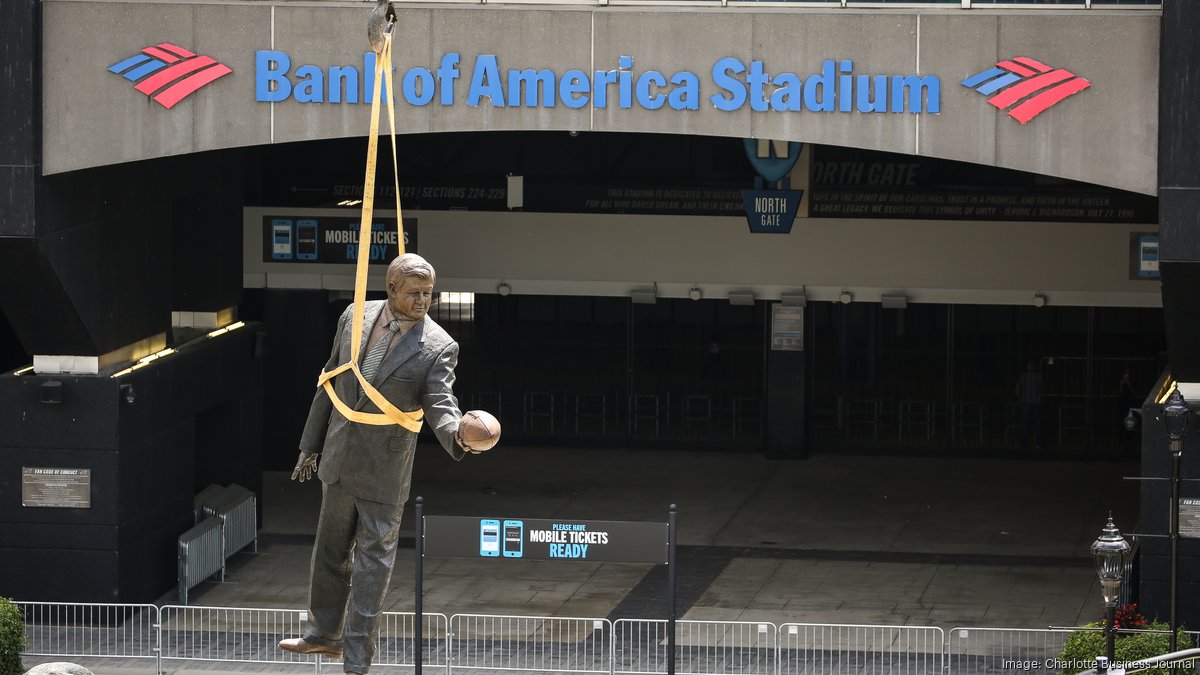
pixel 1148 257
pixel 489 538
pixel 514 531
pixel 281 239
pixel 306 240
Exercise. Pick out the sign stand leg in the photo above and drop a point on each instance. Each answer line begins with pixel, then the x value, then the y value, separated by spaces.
pixel 419 545
pixel 670 590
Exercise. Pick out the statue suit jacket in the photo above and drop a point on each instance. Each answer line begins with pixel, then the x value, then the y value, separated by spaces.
pixel 375 462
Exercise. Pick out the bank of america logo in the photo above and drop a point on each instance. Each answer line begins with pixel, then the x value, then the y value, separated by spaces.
pixel 1024 87
pixel 171 73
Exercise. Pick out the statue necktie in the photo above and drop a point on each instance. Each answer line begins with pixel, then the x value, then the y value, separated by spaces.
pixel 374 357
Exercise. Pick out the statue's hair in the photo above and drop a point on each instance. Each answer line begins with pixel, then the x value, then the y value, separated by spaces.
pixel 410 265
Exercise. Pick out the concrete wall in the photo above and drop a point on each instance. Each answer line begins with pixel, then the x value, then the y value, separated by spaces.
pixel 1103 135
pixel 578 254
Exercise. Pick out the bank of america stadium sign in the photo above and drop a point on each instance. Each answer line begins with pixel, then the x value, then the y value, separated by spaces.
pixel 1023 87
pixel 836 87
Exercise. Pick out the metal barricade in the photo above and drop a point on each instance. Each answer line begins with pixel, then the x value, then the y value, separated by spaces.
pixel 701 647
pixel 394 644
pixel 91 630
pixel 994 650
pixel 83 632
pixel 204 497
pixel 558 644
pixel 229 634
pixel 200 555
pixel 396 647
pixel 236 509
pixel 849 648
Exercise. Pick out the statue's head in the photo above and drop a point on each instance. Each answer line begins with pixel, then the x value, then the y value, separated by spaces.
pixel 410 280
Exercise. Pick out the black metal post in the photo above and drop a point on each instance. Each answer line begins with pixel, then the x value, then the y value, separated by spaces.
pixel 671 590
pixel 1174 533
pixel 419 545
pixel 1110 649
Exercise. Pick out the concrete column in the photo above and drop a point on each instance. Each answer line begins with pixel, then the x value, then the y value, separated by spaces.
pixel 1179 256
pixel 786 420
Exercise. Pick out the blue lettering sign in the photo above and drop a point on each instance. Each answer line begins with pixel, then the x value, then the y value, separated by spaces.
pixel 836 88
pixel 573 88
pixel 647 97
pixel 422 94
pixel 447 73
pixel 309 85
pixel 600 87
pixel 485 81
pixel 625 80
pixel 819 89
pixel 343 80
pixel 723 72
pixel 686 94
pixel 535 83
pixel 270 76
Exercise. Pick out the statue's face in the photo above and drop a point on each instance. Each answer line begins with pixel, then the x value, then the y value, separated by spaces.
pixel 409 297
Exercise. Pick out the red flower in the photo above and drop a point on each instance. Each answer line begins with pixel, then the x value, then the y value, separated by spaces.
pixel 1128 617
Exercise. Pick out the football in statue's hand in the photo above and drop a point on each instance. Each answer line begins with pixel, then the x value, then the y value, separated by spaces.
pixel 479 430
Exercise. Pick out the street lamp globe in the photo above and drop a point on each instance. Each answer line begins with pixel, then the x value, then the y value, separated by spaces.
pixel 1175 420
pixel 1110 552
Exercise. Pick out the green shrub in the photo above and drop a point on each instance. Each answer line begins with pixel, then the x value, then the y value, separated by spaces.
pixel 12 638
pixel 1082 647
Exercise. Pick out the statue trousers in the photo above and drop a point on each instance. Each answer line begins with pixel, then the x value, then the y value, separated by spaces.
pixel 352 562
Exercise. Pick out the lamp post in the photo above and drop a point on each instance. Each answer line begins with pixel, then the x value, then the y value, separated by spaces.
pixel 1175 420
pixel 1110 551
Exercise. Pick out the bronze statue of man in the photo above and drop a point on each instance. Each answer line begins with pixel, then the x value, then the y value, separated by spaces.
pixel 365 470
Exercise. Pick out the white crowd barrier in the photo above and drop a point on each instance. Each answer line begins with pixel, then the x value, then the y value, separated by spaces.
pixel 96 630
pixel 479 642
pixel 527 643
pixel 701 647
pixel 850 648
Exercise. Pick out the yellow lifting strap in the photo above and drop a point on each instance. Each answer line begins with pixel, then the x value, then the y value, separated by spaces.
pixel 390 414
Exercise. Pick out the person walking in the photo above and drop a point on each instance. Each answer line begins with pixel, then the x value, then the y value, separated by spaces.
pixel 1029 395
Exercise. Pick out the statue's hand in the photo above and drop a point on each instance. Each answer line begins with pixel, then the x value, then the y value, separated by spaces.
pixel 463 444
pixel 306 466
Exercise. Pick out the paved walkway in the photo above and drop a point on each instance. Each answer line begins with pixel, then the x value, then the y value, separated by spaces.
pixel 834 539
pixel 907 541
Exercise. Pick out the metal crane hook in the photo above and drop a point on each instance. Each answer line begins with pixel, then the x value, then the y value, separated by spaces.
pixel 383 18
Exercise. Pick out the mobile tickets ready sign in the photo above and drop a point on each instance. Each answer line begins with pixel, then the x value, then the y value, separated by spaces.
pixel 328 239
pixel 542 539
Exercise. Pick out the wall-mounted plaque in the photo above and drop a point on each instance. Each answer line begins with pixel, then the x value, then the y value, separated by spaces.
pixel 1189 518
pixel 56 488
pixel 787 328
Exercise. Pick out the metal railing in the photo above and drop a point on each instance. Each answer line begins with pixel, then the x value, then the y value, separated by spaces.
pixel 91 630
pixel 701 647
pixel 396 644
pixel 530 643
pixel 987 650
pixel 201 554
pixel 244 635
pixel 1025 5
pixel 85 632
pixel 848 648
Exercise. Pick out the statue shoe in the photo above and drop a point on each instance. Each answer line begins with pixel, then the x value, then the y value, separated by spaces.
pixel 302 646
